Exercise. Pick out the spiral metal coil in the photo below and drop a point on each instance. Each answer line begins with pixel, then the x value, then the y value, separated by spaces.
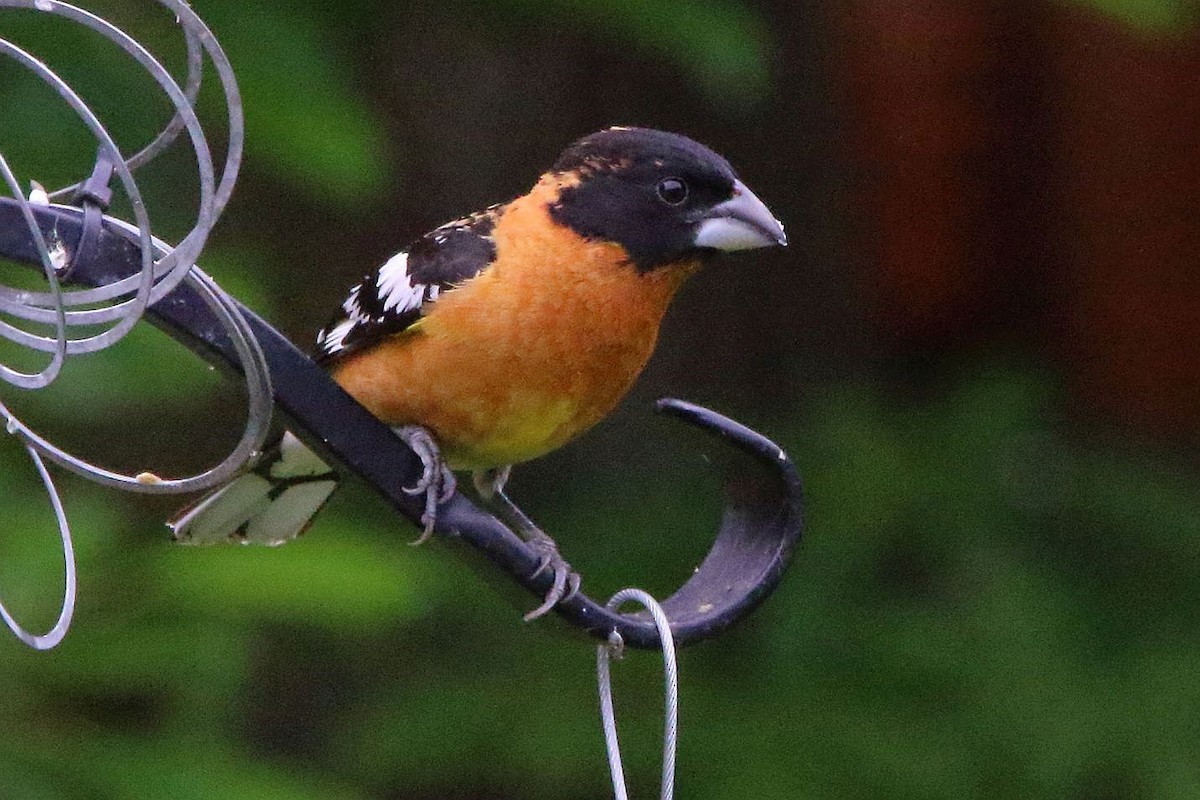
pixel 115 307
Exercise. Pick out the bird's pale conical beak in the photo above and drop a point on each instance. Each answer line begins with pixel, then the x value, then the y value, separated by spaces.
pixel 741 223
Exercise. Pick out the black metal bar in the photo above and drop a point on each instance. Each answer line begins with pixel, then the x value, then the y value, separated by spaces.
pixel 761 524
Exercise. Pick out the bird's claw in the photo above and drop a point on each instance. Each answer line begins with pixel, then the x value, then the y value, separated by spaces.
pixel 566 582
pixel 489 483
pixel 437 482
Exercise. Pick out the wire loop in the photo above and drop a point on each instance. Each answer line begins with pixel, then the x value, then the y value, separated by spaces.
pixel 56 633
pixel 116 306
pixel 615 648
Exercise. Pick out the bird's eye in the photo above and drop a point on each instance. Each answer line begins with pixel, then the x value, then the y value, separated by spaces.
pixel 672 191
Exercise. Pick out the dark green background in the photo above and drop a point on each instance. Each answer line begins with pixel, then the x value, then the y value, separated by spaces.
pixel 996 596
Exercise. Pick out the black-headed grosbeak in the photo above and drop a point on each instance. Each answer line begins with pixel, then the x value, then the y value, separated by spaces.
pixel 499 337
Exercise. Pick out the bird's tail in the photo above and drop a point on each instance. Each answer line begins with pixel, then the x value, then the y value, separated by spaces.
pixel 272 504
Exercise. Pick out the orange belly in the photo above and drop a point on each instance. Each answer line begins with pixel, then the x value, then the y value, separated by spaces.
pixel 527 355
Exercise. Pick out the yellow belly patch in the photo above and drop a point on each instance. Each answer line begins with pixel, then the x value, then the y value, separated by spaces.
pixel 533 427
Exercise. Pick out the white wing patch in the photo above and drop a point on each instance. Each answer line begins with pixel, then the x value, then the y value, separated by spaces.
pixel 396 288
pixel 394 296
pixel 391 293
pixel 333 340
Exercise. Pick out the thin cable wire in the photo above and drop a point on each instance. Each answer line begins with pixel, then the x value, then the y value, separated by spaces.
pixel 608 719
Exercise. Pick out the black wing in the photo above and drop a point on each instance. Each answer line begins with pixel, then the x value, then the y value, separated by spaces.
pixel 394 296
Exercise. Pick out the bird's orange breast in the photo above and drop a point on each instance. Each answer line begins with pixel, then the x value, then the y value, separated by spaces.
pixel 528 354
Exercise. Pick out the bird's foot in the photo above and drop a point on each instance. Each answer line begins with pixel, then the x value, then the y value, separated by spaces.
pixel 490 484
pixel 566 581
pixel 437 482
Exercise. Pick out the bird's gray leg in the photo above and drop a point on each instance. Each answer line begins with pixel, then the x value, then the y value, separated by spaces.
pixel 437 482
pixel 490 485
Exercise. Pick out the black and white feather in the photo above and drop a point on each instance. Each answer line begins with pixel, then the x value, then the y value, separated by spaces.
pixel 275 501
pixel 391 298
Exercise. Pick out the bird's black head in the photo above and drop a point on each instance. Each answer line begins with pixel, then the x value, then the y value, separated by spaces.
pixel 662 196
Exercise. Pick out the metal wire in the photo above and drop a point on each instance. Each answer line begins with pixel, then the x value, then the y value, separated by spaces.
pixel 156 279
pixel 75 313
pixel 24 379
pixel 59 630
pixel 608 719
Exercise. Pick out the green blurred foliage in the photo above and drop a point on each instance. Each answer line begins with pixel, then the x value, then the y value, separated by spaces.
pixel 981 608
pixel 721 45
pixel 987 604
pixel 284 73
pixel 1151 15
pixel 339 151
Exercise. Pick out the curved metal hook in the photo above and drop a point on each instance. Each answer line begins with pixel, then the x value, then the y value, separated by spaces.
pixel 764 509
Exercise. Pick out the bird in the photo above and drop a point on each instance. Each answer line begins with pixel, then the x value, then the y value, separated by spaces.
pixel 501 336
